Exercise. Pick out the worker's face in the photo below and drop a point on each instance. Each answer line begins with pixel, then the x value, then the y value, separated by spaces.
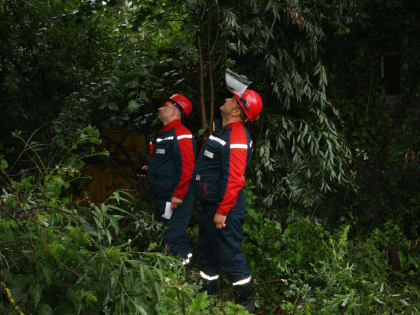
pixel 166 111
pixel 230 106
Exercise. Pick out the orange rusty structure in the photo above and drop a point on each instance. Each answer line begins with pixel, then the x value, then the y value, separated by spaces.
pixel 104 180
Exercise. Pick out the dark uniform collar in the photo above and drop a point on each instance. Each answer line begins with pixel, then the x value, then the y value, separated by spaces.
pixel 169 126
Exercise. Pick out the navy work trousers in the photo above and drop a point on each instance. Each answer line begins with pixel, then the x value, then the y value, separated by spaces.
pixel 219 250
pixel 175 233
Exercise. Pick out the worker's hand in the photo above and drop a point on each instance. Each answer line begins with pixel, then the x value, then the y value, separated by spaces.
pixel 175 202
pixel 219 220
pixel 144 168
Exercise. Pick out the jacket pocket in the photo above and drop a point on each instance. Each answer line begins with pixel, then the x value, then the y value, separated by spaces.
pixel 199 188
pixel 162 185
pixel 205 191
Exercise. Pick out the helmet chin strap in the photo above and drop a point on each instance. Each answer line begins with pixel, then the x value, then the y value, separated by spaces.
pixel 179 108
pixel 243 116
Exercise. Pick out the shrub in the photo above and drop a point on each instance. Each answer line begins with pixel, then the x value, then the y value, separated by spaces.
pixel 311 270
pixel 62 257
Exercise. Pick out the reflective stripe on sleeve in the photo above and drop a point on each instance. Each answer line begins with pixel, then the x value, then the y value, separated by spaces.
pixel 243 281
pixel 238 146
pixel 207 277
pixel 184 136
pixel 222 142
pixel 163 139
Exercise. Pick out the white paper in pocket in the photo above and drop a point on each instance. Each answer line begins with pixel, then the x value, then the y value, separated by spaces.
pixel 168 211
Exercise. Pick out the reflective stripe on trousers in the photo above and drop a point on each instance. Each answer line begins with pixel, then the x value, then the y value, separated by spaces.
pixel 243 281
pixel 207 277
pixel 187 260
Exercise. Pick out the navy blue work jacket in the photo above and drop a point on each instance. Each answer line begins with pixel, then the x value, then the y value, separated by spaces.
pixel 172 161
pixel 220 167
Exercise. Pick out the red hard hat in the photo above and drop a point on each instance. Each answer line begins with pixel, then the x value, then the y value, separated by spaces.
pixel 251 104
pixel 182 102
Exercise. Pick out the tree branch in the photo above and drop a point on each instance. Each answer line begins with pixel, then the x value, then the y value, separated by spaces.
pixel 210 66
pixel 202 98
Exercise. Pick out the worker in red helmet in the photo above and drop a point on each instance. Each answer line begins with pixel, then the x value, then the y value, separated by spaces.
pixel 172 157
pixel 218 179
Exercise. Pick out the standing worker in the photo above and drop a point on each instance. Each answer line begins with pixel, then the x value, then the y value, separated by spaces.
pixel 218 179
pixel 169 173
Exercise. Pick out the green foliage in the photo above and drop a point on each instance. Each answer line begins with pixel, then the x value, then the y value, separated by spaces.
pixel 302 161
pixel 319 272
pixel 135 52
pixel 60 256
pixel 301 153
pixel 378 94
pixel 79 63
pixel 46 49
pixel 72 64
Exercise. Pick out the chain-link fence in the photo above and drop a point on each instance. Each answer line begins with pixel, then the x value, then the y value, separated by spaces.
pixel 383 196
pixel 386 195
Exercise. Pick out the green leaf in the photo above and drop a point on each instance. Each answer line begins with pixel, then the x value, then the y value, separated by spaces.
pixel 113 106
pixel 132 84
pixel 36 294
pixel 158 291
pixel 109 237
pixel 199 302
pixel 76 163
pixel 26 182
pixel 47 275
pixel 45 309
pixel 3 164
pixel 139 309
pixel 133 106
pixel 54 185
pixel 117 196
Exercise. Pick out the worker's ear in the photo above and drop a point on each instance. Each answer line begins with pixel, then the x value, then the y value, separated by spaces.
pixel 178 114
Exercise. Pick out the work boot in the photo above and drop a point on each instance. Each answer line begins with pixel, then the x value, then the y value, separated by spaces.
pixel 245 296
pixel 209 282
pixel 209 286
